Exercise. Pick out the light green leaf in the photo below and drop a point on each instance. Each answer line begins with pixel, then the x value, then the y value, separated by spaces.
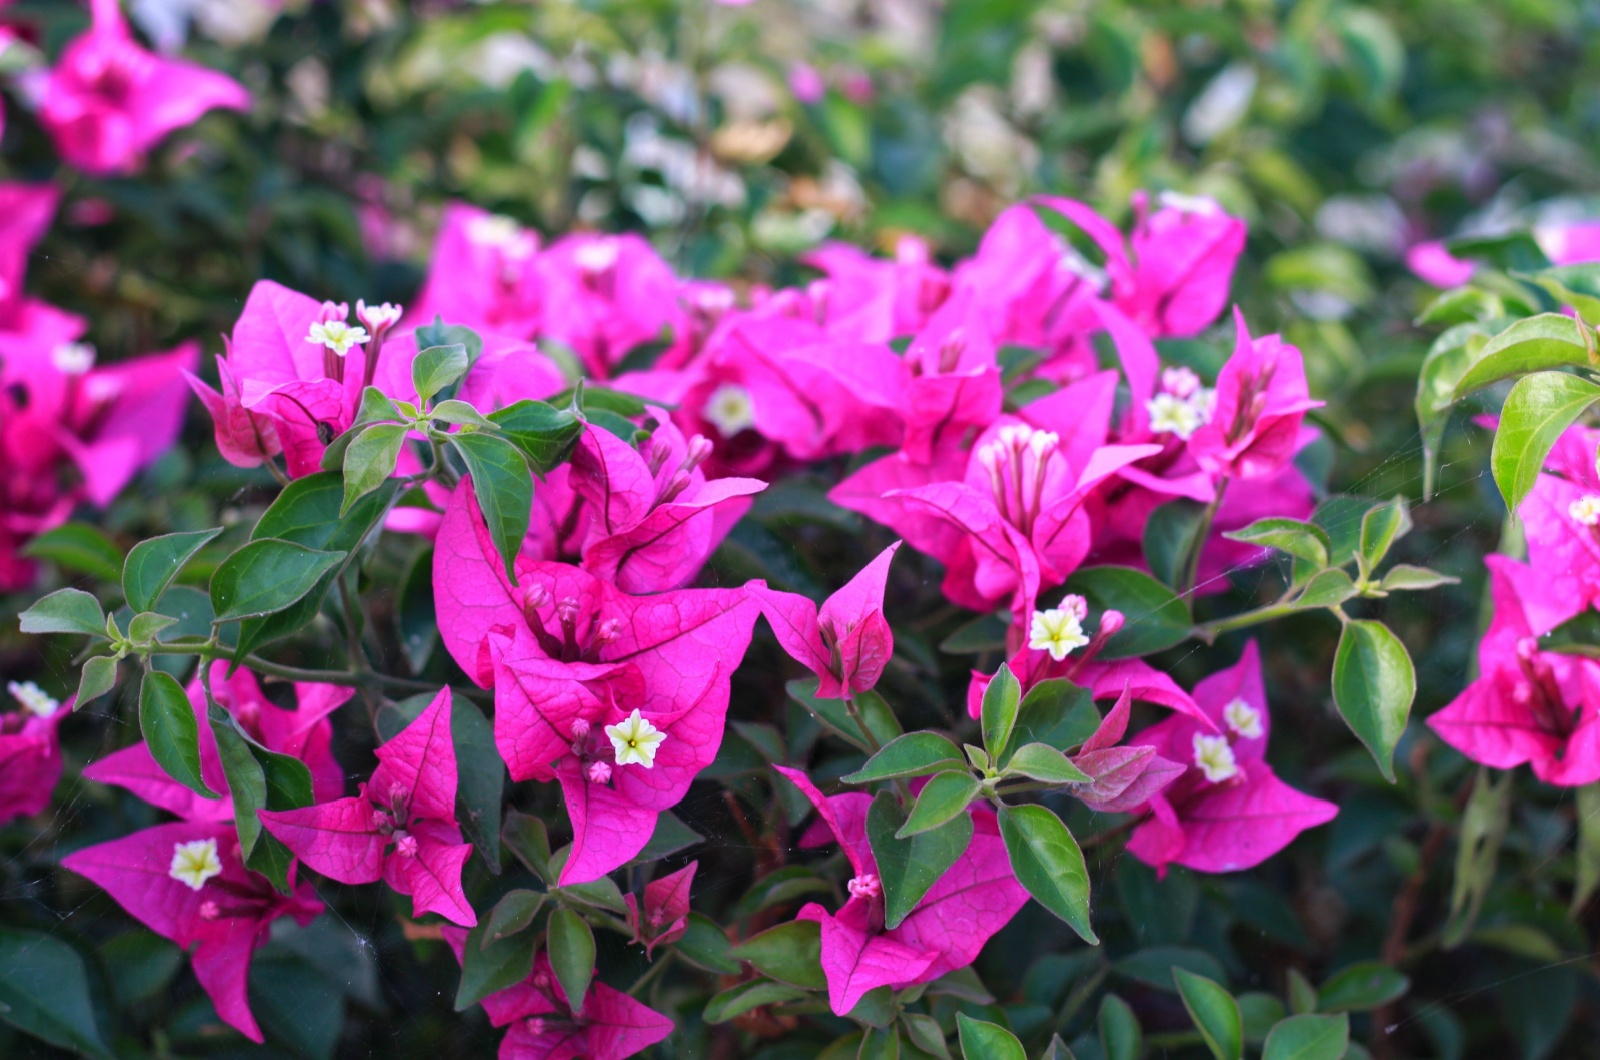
pixel 371 459
pixel 1309 1038
pixel 1538 409
pixel 942 798
pixel 1000 703
pixel 65 611
pixel 437 367
pixel 913 755
pixel 1215 1014
pixel 987 1041
pixel 1044 763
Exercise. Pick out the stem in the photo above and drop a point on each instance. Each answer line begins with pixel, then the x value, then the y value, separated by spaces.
pixel 1209 631
pixel 348 678
pixel 861 723
pixel 1191 561
pixel 650 975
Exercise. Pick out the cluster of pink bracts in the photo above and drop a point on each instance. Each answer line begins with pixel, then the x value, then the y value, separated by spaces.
pixel 613 680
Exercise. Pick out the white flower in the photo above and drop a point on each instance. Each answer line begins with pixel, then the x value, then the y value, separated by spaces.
pixel 1585 510
pixel 730 410
pixel 493 230
pixel 596 256
pixel 33 698
pixel 195 862
pixel 72 358
pixel 1243 719
pixel 1214 757
pixel 635 740
pixel 1170 414
pixel 337 336
pixel 1058 631
pixel 1197 204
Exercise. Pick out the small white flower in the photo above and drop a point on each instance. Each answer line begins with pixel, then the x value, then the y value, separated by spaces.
pixel 494 230
pixel 730 410
pixel 1058 631
pixel 1214 757
pixel 1170 414
pixel 33 698
pixel 1200 204
pixel 635 740
pixel 72 358
pixel 195 862
pixel 1585 510
pixel 337 336
pixel 1243 719
pixel 596 256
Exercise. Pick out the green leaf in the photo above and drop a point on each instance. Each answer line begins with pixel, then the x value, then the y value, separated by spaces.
pixel 170 731
pixel 1361 988
pixel 1000 703
pixel 1537 344
pixel 265 576
pixel 987 1041
pixel 1044 763
pixel 1302 995
pixel 514 912
pixel 460 414
pixel 543 433
pixel 1057 713
pixel 482 779
pixel 880 1043
pixel 437 367
pixel 942 798
pixel 984 633
pixel 259 779
pixel 78 547
pixel 1404 576
pixel 877 1008
pixel 144 627
pixel 571 945
pixel 599 398
pixel 1153 965
pixel 1309 1038
pixel 1538 409
pixel 1215 1014
pixel 913 755
pixel 670 836
pixel 1306 541
pixel 1171 535
pixel 908 868
pixel 737 1000
pixel 99 677
pixel 879 719
pixel 1380 528
pixel 504 489
pixel 1483 829
pixel 525 836
pixel 65 611
pixel 371 459
pixel 1577 286
pixel 1155 618
pixel 1121 1037
pixel 1260 1012
pixel 151 565
pixel 704 945
pixel 1049 864
pixel 1588 853
pixel 44 991
pixel 488 969
pixel 1373 686
pixel 925 1033
pixel 790 953
pixel 1057 1050
pixel 1328 588
pixel 415 614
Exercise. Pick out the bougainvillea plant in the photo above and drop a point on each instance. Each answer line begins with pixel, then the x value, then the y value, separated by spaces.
pixel 565 440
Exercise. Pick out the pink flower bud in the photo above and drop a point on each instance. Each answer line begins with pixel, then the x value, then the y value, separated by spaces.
pixel 866 885
pixel 599 772
pixel 580 729
pixel 209 910
pixel 405 844
pixel 608 631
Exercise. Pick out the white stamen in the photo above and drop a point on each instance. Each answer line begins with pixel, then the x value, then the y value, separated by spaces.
pixel 1243 719
pixel 729 409
pixel 1585 510
pixel 337 336
pixel 1214 757
pixel 72 358
pixel 1058 631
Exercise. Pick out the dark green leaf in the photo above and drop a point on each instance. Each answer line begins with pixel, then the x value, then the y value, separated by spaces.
pixel 78 547
pixel 526 837
pixel 1049 864
pixel 1309 1038
pixel 987 1041
pixel 504 489
pixel 940 800
pixel 924 1033
pixel 571 944
pixel 790 953
pixel 1171 535
pixel 907 868
pixel 1214 1012
pixel 874 711
pixel 704 945
pixel 984 633
pixel 265 576
pixel 1153 966
pixel 913 755
pixel 1056 713
pixel 880 1043
pixel 1121 1037
pixel 1588 852
pixel 488 969
pixel 170 731
pixel 65 611
pixel 1373 686
pixel 152 564
pixel 670 836
pixel 1361 987
pixel 543 433
pixel 737 1000
pixel 514 912
pixel 482 779
pixel 1155 618
pixel 44 991
pixel 1538 409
